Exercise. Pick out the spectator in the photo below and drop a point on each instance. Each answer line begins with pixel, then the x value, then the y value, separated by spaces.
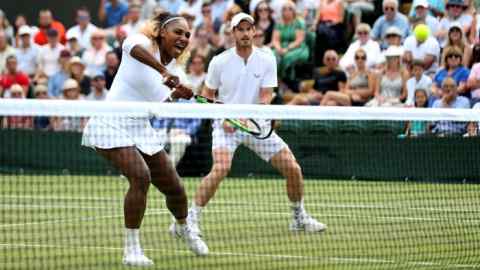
pixel 455 15
pixel 258 41
pixel 46 22
pixel 288 43
pixel 202 46
pixel 27 52
pixel 422 15
pixel 83 30
pixel 426 48
pixel 193 7
pixel 227 39
pixel 49 53
pixel 6 27
pixel 196 73
pixel 41 122
pixel 71 92
pixel 418 128
pixel 436 8
pixel 172 6
pixel 12 76
pixel 147 9
pixel 329 28
pixel 475 58
pixel 56 81
pixel 77 72
pixel 111 12
pixel 264 21
pixel 452 68
pixel 21 20
pixel 390 87
pixel 472 130
pixel 133 18
pixel 371 47
pixel 450 99
pixel 457 38
pixel 5 50
pixel 218 9
pixel 390 18
pixel 329 79
pixel 392 37
pixel 112 63
pixel 17 122
pixel 359 88
pixel 473 82
pixel 98 92
pixel 94 57
pixel 418 80
pixel 73 45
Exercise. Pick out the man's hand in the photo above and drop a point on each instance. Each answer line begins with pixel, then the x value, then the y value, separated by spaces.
pixel 228 128
pixel 182 91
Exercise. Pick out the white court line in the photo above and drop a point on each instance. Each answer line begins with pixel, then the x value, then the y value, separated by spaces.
pixel 345 260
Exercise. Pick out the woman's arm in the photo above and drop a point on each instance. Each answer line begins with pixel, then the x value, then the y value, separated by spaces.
pixel 369 91
pixel 144 56
pixel 299 38
pixel 276 41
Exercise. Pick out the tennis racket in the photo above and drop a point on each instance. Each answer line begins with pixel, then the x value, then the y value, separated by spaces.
pixel 260 129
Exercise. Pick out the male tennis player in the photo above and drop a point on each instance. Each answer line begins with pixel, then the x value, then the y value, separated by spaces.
pixel 245 74
pixel 131 144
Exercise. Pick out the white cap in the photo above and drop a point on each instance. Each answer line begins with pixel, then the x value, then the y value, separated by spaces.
pixel 70 84
pixel 393 51
pixel 16 88
pixel 24 30
pixel 420 3
pixel 76 60
pixel 455 25
pixel 241 17
pixel 393 30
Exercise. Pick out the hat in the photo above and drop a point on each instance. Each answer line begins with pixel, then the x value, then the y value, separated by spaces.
pixel 16 88
pixel 420 3
pixel 40 88
pixel 456 2
pixel 52 32
pixel 393 51
pixel 70 84
pixel 241 17
pixel 99 76
pixel 24 30
pixel 65 53
pixel 76 60
pixel 393 30
pixel 72 35
pixel 455 25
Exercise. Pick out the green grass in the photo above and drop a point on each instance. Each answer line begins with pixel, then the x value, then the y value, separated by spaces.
pixel 73 222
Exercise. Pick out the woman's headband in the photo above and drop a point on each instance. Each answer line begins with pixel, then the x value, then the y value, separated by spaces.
pixel 171 20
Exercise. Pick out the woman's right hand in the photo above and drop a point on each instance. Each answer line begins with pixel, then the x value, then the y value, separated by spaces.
pixel 182 91
pixel 170 80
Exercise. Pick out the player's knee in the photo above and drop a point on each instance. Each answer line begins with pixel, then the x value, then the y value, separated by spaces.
pixel 140 179
pixel 294 169
pixel 175 189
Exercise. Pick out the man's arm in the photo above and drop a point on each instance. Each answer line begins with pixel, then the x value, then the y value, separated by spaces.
pixel 209 93
pixel 266 95
pixel 101 11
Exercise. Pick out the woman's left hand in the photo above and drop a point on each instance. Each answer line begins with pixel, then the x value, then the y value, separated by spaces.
pixel 182 91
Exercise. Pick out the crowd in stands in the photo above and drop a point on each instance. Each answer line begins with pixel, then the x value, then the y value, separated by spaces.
pixel 376 53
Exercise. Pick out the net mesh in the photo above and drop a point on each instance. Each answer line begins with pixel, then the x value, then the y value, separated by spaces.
pixel 396 188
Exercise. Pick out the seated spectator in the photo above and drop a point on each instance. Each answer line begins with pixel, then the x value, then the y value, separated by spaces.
pixel 473 83
pixel 196 73
pixel 475 58
pixel 148 9
pixel 77 72
pixel 455 15
pixel 112 63
pixel 5 50
pixel 258 41
pixel 41 122
pixel 418 81
pixel 17 122
pixel 6 27
pixel 330 79
pixel 193 7
pixel 111 12
pixel 45 23
pixel 390 87
pixel 83 30
pixel 227 39
pixel 73 46
pixel 418 128
pixel 423 47
pixel 452 68
pixel 359 88
pixel 209 24
pixel 390 18
pixel 422 15
pixel 56 81
pixel 450 99
pixel 288 43
pixel 171 6
pixel 94 57
pixel 133 18
pixel 12 76
pixel 472 130
pixel 71 92
pixel 202 46
pixel 98 92
pixel 27 52
pixel 329 28
pixel 436 8
pixel 456 38
pixel 48 55
pixel 371 47
pixel 392 37
pixel 264 21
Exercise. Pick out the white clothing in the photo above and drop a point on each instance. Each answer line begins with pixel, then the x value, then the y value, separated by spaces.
pixel 93 95
pixel 27 59
pixel 83 36
pixel 371 48
pixel 465 20
pixel 95 60
pixel 197 82
pixel 425 83
pixel 3 57
pixel 133 28
pixel 239 82
pixel 48 59
pixel 419 51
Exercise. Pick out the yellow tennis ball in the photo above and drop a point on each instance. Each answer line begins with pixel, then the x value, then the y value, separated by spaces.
pixel 421 32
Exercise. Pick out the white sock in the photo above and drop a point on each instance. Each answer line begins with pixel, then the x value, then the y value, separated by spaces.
pixel 297 208
pixel 132 240
pixel 197 210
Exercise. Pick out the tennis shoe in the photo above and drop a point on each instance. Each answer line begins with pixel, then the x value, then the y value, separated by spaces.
pixel 192 239
pixel 305 222
pixel 136 258
pixel 193 220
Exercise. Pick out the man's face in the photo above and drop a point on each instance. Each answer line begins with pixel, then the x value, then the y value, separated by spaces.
pixel 243 34
pixel 455 10
pixel 53 39
pixel 111 60
pixel 389 10
pixel 11 65
pixel 330 60
pixel 421 11
pixel 83 18
pixel 99 83
pixel 25 39
pixel 134 14
pixel 45 19
pixel 449 90
pixel 417 71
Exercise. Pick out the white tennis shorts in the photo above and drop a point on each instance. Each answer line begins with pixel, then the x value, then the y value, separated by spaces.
pixel 114 132
pixel 265 149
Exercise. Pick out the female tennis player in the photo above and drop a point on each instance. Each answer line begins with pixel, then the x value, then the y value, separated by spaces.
pixel 131 144
pixel 246 75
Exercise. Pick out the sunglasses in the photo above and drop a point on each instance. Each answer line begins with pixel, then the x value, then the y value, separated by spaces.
pixel 331 59
pixel 389 8
pixel 360 57
pixel 362 33
pixel 263 9
pixel 455 6
pixel 454 56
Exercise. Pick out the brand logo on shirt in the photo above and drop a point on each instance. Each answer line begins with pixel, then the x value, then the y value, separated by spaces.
pixel 256 75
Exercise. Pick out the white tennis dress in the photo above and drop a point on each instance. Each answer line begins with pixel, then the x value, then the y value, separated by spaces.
pixel 134 81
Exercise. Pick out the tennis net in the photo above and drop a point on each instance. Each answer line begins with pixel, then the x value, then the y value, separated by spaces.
pixel 397 188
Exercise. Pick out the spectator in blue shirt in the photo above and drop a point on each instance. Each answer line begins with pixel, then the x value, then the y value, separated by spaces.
pixel 453 68
pixel 390 18
pixel 55 82
pixel 111 12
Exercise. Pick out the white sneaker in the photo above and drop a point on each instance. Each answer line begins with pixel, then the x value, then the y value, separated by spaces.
pixel 306 223
pixel 136 259
pixel 193 221
pixel 193 240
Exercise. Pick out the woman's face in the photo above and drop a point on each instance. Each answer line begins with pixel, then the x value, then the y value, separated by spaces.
pixel 360 59
pixel 455 34
pixel 97 41
pixel 420 99
pixel 263 10
pixel 175 37
pixel 363 35
pixel 454 60
pixel 288 12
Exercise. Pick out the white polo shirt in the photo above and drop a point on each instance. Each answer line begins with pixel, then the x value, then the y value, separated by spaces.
pixel 238 81
pixel 136 81
pixel 419 51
